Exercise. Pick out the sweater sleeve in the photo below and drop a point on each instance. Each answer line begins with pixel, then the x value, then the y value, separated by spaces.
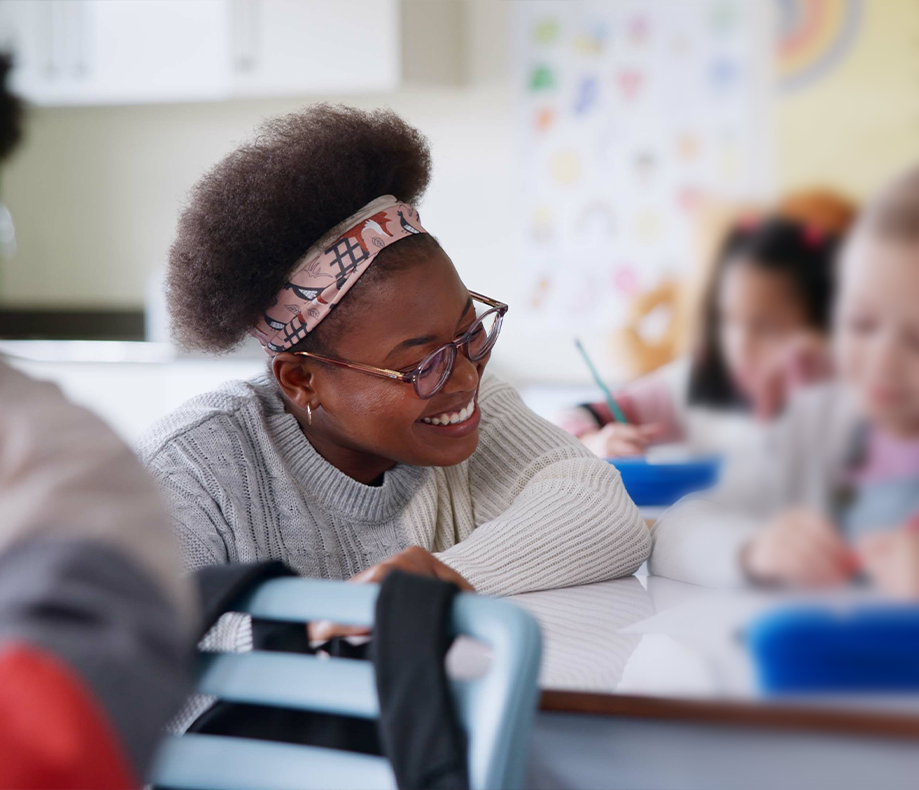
pixel 205 538
pixel 548 512
pixel 198 521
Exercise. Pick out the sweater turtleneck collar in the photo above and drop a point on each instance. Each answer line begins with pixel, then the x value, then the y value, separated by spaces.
pixel 331 487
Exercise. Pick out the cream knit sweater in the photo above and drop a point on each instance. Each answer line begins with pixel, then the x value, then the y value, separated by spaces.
pixel 530 509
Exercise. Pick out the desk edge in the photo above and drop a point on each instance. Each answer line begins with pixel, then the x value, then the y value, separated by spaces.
pixel 771 716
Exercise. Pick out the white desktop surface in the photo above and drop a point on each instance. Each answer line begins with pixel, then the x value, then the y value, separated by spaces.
pixel 129 385
pixel 646 684
pixel 651 636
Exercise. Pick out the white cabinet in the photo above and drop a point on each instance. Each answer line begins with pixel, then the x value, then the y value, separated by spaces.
pixel 120 51
pixel 284 47
pixel 134 51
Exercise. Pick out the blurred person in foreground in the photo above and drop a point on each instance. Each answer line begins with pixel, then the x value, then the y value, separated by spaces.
pixel 764 326
pixel 95 638
pixel 834 493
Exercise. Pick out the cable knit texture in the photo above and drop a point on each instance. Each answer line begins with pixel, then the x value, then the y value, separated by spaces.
pixel 530 509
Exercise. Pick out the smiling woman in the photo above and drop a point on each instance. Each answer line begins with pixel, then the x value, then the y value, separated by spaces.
pixel 377 440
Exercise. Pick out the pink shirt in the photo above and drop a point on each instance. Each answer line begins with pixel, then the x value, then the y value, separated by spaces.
pixel 888 458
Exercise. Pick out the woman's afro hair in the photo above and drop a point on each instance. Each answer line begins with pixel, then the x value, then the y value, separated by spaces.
pixel 254 215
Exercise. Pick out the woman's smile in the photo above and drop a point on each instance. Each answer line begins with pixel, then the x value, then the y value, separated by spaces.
pixel 454 423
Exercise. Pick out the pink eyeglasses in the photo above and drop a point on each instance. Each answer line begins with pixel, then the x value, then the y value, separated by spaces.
pixel 430 375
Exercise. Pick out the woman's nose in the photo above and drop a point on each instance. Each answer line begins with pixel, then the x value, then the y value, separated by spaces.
pixel 464 376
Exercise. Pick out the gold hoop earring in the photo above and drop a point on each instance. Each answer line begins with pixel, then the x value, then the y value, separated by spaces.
pixel 309 415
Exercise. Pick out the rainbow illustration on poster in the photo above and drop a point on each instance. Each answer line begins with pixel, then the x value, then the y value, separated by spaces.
pixel 814 36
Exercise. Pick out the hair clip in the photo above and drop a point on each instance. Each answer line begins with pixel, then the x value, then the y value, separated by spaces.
pixel 813 236
pixel 748 223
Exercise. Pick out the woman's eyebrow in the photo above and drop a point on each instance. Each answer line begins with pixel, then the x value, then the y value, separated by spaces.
pixel 466 308
pixel 423 340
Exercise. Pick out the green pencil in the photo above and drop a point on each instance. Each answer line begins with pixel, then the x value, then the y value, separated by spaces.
pixel 613 406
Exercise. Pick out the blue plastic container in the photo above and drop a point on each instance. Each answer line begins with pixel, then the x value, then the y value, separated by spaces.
pixel 660 485
pixel 869 649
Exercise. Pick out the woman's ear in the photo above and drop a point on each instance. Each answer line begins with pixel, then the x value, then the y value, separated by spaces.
pixel 296 380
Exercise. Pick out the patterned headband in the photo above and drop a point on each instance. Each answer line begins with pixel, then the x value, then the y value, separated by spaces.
pixel 330 267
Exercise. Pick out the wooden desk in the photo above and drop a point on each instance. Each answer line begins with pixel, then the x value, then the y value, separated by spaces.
pixel 646 683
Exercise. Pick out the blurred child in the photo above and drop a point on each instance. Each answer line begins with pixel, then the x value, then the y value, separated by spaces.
pixel 95 620
pixel 836 489
pixel 765 319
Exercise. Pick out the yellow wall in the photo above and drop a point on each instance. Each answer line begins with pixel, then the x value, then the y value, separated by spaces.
pixel 859 124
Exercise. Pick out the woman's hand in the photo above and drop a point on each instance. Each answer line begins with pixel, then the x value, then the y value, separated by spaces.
pixel 891 560
pixel 415 560
pixel 799 547
pixel 616 440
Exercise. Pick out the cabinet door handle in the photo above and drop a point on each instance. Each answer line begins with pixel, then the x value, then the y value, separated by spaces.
pixel 54 33
pixel 81 40
pixel 246 23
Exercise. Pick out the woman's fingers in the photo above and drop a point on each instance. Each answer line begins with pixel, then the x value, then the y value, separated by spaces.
pixel 415 560
pixel 431 566
pixel 447 574
pixel 324 630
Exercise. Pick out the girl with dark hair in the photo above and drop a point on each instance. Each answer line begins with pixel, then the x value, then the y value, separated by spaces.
pixel 764 324
pixel 772 286
pixel 376 440
pixel 834 489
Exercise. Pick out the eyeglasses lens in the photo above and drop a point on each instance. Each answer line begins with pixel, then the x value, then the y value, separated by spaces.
pixel 434 372
pixel 484 334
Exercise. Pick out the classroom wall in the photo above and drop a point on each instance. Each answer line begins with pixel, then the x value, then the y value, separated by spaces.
pixel 857 123
pixel 95 191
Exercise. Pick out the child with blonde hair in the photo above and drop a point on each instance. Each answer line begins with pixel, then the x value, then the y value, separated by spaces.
pixel 836 488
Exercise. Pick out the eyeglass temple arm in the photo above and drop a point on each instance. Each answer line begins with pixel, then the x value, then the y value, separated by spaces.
pixel 381 372
pixel 488 300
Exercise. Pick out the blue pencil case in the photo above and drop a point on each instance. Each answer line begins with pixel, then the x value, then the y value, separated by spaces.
pixel 870 648
pixel 662 484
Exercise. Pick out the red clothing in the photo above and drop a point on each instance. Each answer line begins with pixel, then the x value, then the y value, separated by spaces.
pixel 52 732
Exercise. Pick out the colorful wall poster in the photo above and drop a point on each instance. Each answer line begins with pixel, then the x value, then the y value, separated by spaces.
pixel 630 111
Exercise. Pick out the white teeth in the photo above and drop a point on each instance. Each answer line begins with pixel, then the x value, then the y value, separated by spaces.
pixel 454 418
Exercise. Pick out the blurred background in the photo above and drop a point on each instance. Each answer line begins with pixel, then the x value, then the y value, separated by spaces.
pixel 599 146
